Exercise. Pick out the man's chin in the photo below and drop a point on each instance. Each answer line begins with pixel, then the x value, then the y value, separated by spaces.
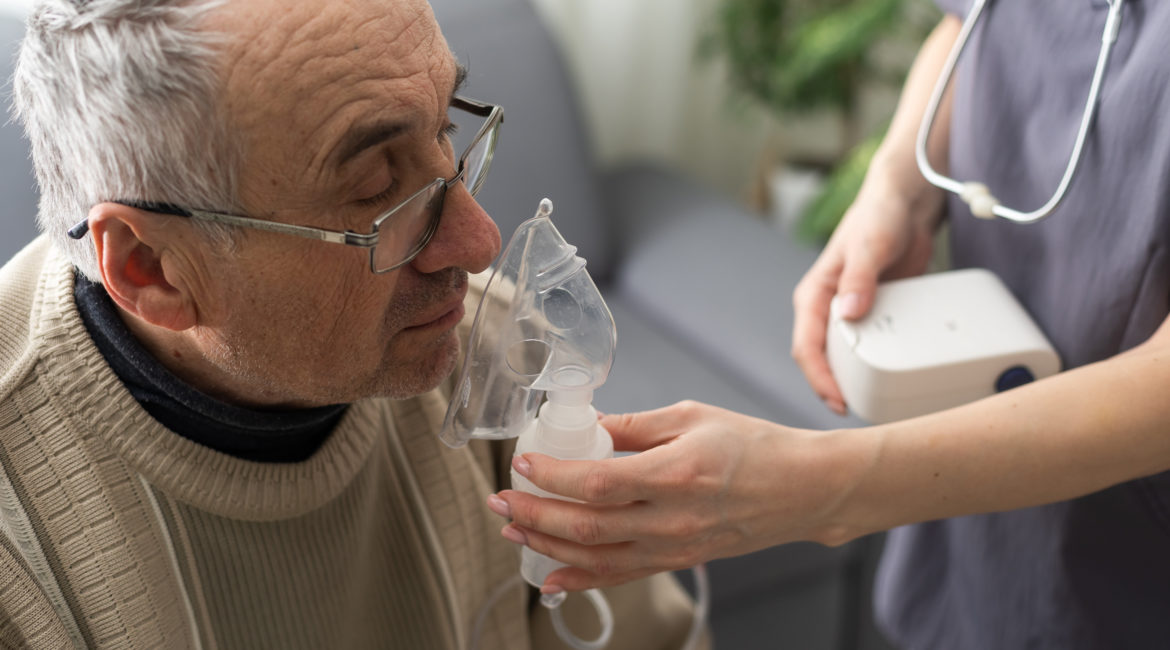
pixel 423 375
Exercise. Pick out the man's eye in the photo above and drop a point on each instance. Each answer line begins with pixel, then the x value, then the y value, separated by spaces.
pixel 379 198
pixel 449 131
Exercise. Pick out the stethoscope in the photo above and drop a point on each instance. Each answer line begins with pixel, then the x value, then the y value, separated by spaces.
pixel 976 195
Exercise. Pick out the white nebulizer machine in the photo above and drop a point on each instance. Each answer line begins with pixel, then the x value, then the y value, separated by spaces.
pixel 542 329
pixel 933 342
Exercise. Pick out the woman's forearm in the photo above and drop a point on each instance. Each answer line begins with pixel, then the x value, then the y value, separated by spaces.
pixel 1056 439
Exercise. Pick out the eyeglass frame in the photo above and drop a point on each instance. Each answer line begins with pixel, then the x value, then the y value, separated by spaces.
pixel 494 117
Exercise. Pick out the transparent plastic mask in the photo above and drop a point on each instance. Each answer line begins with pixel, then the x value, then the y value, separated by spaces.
pixel 541 325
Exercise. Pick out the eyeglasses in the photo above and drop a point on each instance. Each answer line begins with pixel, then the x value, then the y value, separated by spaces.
pixel 397 235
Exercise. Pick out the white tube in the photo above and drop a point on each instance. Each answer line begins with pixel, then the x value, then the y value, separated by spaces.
pixel 702 605
pixel 604 613
pixel 492 600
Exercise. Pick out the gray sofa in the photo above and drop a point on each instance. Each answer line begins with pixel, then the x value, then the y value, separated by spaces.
pixel 700 291
pixel 18 192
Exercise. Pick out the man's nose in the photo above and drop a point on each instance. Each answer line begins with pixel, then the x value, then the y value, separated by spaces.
pixel 466 238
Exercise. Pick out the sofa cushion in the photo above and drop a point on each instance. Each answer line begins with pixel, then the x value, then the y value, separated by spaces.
pixel 718 279
pixel 17 186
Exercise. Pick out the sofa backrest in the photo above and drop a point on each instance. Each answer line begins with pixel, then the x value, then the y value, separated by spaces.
pixel 543 149
pixel 18 191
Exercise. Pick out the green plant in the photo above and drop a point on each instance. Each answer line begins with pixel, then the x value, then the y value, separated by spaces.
pixel 800 56
pixel 824 212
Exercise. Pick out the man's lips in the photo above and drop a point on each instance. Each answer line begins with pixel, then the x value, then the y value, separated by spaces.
pixel 446 317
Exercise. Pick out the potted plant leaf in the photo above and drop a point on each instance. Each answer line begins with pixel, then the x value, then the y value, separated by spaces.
pixel 801 56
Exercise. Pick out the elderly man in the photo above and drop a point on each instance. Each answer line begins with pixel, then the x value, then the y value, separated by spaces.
pixel 217 416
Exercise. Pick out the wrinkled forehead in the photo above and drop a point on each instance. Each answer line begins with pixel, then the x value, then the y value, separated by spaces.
pixel 301 72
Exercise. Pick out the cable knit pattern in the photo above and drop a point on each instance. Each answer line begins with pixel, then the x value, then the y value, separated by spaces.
pixel 342 550
pixel 381 539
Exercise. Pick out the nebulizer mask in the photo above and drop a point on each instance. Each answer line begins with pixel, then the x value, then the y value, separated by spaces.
pixel 542 329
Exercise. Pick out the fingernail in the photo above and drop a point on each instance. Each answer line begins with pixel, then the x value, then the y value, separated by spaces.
pixel 851 305
pixel 522 466
pixel 514 535
pixel 836 406
pixel 551 589
pixel 499 506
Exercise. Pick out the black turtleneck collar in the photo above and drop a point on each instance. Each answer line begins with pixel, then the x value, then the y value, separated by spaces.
pixel 279 436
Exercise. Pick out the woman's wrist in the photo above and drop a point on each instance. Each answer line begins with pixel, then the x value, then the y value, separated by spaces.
pixel 894 181
pixel 847 461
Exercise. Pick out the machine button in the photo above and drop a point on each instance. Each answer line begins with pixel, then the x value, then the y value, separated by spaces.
pixel 1012 377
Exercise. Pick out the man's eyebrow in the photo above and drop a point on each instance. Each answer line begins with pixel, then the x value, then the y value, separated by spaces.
pixel 364 137
pixel 460 79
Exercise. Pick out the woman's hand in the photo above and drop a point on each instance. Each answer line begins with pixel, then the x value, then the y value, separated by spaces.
pixel 881 237
pixel 888 231
pixel 709 483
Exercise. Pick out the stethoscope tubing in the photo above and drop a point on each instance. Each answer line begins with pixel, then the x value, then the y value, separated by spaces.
pixel 977 196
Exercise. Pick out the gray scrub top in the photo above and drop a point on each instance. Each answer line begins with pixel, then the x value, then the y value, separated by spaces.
pixel 1093 572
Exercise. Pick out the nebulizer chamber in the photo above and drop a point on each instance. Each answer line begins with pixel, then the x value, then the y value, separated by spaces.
pixel 566 428
pixel 542 328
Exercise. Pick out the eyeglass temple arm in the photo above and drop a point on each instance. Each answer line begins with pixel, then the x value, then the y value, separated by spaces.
pixel 335 237
pixel 79 231
pixel 983 204
pixel 472 106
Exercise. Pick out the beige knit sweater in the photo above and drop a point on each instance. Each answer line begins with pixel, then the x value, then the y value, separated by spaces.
pixel 118 533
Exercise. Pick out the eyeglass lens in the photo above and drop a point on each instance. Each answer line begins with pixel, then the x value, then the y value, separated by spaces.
pixel 406 232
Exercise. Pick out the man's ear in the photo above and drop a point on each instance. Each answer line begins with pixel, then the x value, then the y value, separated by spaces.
pixel 130 245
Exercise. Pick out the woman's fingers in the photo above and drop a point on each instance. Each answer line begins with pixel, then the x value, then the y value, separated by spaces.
pixel 574 579
pixel 583 524
pixel 613 480
pixel 647 429
pixel 811 301
pixel 601 565
pixel 602 560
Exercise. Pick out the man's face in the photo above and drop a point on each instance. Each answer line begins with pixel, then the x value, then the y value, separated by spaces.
pixel 341 107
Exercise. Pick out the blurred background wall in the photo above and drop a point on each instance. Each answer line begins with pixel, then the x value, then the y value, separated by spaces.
pixel 647 94
pixel 15 6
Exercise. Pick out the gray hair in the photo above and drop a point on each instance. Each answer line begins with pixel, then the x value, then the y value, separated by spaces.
pixel 119 99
